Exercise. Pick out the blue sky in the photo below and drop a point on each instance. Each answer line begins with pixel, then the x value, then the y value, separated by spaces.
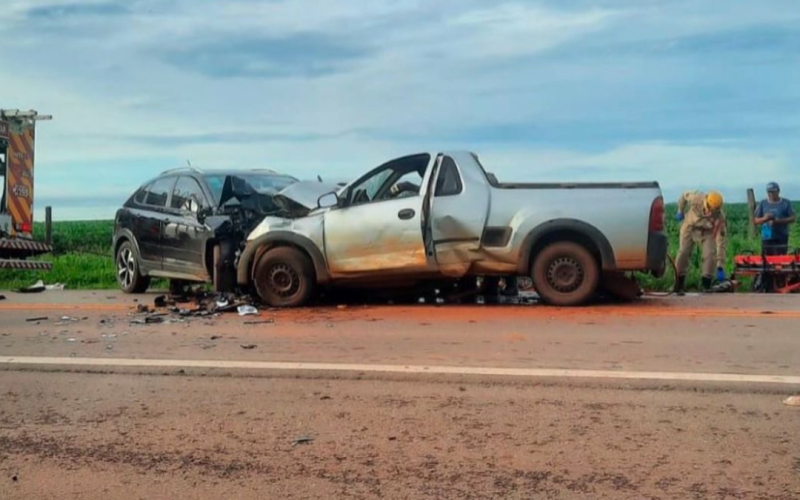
pixel 694 94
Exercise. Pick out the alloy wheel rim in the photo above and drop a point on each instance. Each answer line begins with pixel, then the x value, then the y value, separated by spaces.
pixel 126 267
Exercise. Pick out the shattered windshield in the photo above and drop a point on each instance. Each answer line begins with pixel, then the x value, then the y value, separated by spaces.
pixel 263 183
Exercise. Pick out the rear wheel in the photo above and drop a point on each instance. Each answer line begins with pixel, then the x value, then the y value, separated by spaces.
pixel 129 275
pixel 284 277
pixel 565 274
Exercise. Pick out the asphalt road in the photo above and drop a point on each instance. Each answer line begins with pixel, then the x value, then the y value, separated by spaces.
pixel 665 398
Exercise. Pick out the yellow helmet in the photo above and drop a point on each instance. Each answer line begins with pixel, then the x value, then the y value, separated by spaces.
pixel 714 201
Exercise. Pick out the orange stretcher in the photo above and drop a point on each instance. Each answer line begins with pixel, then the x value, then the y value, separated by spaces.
pixel 773 273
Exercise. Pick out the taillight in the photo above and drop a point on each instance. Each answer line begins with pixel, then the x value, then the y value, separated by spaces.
pixel 657 215
pixel 25 227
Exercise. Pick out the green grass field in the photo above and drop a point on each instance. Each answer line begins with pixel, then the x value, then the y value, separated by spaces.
pixel 82 253
pixel 81 257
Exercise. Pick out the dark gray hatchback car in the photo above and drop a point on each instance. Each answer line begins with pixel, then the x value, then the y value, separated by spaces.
pixel 159 231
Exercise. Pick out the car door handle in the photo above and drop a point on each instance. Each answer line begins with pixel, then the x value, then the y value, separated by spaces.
pixel 406 214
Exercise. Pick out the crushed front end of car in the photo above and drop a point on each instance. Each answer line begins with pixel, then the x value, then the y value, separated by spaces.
pixel 245 215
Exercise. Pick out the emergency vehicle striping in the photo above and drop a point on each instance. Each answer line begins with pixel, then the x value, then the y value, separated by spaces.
pixel 20 185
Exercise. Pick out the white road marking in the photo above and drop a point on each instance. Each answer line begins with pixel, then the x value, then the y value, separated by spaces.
pixel 409 369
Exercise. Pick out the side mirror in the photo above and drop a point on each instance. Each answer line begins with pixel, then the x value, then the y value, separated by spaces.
pixel 328 200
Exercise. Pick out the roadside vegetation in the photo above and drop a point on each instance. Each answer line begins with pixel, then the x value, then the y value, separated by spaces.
pixel 81 257
pixel 738 244
pixel 82 253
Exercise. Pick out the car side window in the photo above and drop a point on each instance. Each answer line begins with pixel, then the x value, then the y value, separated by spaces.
pixel 404 185
pixel 366 190
pixel 449 181
pixel 398 179
pixel 158 192
pixel 188 195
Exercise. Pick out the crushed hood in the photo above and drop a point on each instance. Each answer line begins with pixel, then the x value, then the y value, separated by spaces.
pixel 301 197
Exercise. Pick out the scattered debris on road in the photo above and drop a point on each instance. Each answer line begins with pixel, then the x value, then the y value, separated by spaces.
pixel 260 322
pixel 160 301
pixel 302 440
pixel 40 287
pixel 216 337
pixel 248 346
pixel 38 318
pixel 2 297
pixel 149 319
pixel 247 310
pixel 66 320
pixel 37 287
pixel 726 286
pixel 792 401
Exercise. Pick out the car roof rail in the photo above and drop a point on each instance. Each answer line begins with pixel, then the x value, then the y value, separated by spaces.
pixel 182 169
pixel 267 170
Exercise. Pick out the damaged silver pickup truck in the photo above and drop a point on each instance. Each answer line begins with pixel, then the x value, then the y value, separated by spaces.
pixel 442 218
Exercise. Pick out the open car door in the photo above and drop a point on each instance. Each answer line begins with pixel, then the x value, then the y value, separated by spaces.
pixel 459 209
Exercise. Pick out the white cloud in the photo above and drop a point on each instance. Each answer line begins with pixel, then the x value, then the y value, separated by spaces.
pixel 677 167
pixel 465 73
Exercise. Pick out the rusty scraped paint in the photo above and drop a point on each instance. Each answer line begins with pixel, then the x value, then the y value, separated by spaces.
pixel 380 252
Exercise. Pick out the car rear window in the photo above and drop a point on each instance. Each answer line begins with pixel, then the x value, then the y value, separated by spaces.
pixel 140 194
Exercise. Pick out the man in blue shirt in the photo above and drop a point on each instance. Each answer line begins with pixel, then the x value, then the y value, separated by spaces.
pixel 776 215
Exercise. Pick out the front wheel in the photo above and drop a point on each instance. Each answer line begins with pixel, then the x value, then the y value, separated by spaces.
pixel 129 275
pixel 285 277
pixel 565 274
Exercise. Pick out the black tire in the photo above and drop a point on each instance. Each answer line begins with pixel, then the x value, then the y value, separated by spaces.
pixel 129 273
pixel 285 277
pixel 565 274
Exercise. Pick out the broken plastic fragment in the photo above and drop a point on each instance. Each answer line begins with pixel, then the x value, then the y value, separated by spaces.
pixel 37 287
pixel 247 310
pixel 303 440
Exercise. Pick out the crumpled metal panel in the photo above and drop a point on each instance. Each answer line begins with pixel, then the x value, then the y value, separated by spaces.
pixel 306 193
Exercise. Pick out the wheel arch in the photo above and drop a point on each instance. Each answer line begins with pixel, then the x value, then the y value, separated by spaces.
pixel 256 248
pixel 572 230
pixel 121 237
